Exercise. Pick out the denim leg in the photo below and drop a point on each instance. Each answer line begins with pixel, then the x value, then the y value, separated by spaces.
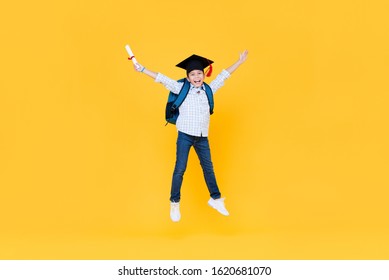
pixel 203 151
pixel 184 143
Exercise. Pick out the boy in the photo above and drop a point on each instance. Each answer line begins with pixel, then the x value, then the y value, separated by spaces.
pixel 192 125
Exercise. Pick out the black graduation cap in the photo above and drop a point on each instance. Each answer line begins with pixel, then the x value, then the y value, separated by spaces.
pixel 196 62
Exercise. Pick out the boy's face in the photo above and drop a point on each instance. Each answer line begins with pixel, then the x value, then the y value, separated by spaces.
pixel 196 77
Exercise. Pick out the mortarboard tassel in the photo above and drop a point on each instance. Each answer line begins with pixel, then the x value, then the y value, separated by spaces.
pixel 208 73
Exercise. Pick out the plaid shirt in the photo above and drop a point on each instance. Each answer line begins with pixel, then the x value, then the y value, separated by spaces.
pixel 194 114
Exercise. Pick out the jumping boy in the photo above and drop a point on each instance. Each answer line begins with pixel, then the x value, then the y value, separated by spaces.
pixel 192 125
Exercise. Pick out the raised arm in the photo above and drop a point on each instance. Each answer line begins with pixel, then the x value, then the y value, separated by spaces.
pixel 242 58
pixel 170 84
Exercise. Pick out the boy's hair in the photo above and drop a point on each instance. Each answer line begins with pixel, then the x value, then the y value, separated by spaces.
pixel 187 72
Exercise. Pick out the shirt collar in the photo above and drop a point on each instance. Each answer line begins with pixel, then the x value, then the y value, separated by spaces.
pixel 192 87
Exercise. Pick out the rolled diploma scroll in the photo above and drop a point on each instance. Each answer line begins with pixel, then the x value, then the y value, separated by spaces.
pixel 131 55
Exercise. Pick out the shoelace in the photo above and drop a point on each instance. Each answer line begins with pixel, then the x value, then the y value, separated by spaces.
pixel 220 201
pixel 175 205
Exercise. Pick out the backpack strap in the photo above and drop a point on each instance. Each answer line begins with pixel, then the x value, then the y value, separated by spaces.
pixel 174 101
pixel 209 93
pixel 181 95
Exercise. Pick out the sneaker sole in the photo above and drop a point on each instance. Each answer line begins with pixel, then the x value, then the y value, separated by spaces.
pixel 224 214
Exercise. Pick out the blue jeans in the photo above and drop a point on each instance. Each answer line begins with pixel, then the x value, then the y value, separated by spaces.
pixel 201 146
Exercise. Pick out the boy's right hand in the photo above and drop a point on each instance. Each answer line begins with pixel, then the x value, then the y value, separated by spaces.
pixel 138 67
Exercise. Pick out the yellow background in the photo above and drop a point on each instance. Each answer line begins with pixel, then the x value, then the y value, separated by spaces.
pixel 299 135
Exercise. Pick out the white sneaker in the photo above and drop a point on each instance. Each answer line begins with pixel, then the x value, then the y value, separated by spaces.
pixel 175 214
pixel 218 204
